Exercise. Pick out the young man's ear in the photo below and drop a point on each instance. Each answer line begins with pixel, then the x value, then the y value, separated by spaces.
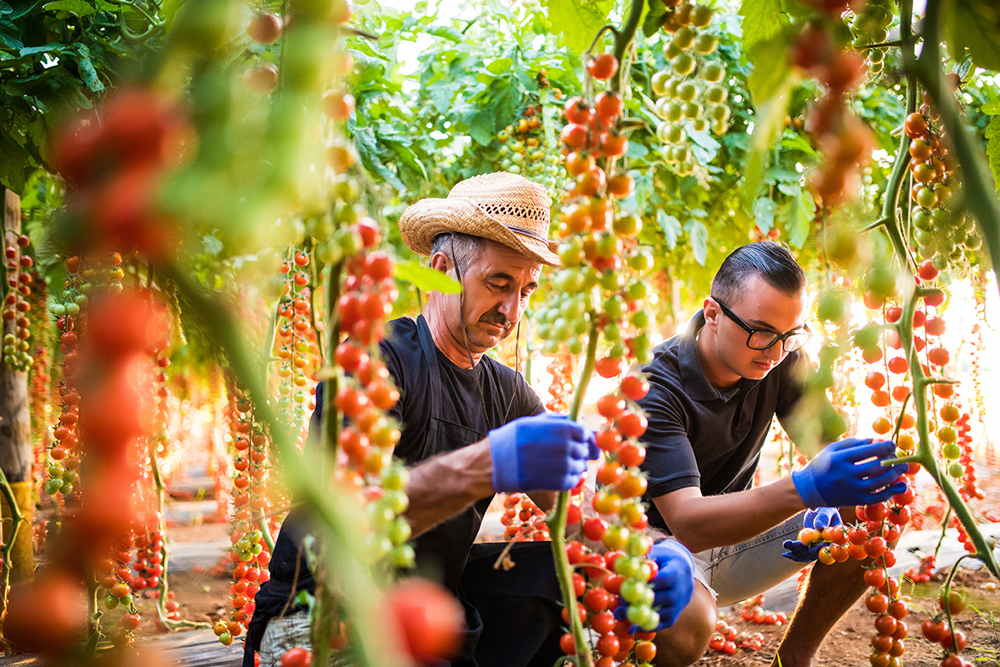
pixel 712 313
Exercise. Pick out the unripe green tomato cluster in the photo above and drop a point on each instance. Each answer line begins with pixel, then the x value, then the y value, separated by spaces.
pixel 388 530
pixel 61 480
pixel 871 26
pixel 691 90
pixel 523 151
pixel 249 545
pixel 943 236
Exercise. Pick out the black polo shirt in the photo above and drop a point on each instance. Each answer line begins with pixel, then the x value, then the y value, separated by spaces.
pixel 702 436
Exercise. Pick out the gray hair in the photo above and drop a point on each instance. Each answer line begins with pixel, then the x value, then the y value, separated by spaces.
pixel 462 249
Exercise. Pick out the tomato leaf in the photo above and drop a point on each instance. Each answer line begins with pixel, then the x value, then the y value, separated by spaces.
pixel 770 120
pixel 763 214
pixel 973 31
pixel 578 20
pixel 427 279
pixel 699 241
pixel 74 7
pixel 993 149
pixel 797 215
pixel 671 227
pixel 762 19
pixel 653 22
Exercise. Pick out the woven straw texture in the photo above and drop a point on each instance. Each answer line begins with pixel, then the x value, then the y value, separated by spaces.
pixel 506 208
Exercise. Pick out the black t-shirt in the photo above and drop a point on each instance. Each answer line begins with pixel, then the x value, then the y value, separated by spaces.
pixel 702 436
pixel 440 410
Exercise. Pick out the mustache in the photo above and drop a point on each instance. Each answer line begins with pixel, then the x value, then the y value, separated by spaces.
pixel 497 318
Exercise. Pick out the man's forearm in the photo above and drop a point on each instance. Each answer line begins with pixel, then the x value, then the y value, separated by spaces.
pixel 442 487
pixel 704 522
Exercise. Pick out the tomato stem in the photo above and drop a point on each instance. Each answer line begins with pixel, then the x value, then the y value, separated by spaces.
pixel 16 518
pixel 557 522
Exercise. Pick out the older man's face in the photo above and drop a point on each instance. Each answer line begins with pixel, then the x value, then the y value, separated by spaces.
pixel 496 285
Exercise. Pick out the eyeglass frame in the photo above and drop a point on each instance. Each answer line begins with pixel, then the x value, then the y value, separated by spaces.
pixel 777 336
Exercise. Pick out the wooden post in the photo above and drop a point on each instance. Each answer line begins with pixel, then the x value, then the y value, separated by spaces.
pixel 15 427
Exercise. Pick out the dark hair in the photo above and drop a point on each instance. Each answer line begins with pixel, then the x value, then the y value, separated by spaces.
pixel 462 249
pixel 772 262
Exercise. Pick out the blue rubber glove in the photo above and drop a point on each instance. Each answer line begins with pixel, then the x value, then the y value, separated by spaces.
pixel 842 474
pixel 544 452
pixel 820 518
pixel 672 586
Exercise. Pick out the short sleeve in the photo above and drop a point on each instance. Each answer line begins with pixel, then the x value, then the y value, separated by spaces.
pixel 670 461
pixel 529 404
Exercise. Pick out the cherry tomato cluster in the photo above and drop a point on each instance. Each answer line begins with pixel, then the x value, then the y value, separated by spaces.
pixel 599 247
pixel 941 235
pixel 753 611
pixel 249 551
pixel 561 387
pixel 262 76
pixel 114 161
pixel 524 520
pixel 870 26
pixel 122 330
pixel 114 576
pixel 605 580
pixel 524 149
pixel 16 306
pixel 924 571
pixel 593 127
pixel 149 555
pixel 845 141
pixel 879 526
pixel 939 629
pixel 64 460
pixel 691 89
pixel 295 342
pixel 726 639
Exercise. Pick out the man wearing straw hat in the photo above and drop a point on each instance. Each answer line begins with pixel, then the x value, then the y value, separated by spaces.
pixel 472 427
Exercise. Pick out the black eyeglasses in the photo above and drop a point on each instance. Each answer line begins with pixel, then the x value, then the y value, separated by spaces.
pixel 761 339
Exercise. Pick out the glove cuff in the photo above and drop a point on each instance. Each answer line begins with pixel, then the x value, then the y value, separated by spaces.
pixel 807 490
pixel 503 457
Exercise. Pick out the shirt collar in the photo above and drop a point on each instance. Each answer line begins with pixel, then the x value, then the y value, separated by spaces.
pixel 695 384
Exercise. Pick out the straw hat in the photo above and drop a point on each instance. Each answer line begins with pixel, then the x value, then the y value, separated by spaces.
pixel 505 208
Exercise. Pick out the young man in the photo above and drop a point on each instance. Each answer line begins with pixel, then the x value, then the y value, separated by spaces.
pixel 471 427
pixel 714 392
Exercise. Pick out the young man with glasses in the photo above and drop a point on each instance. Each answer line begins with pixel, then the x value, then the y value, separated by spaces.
pixel 714 391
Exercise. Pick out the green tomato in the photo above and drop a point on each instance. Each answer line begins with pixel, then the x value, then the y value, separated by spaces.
pixel 402 556
pixel 640 319
pixel 659 81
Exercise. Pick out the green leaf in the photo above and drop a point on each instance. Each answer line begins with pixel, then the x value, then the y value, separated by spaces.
pixel 15 163
pixel 771 68
pixel 426 278
pixel 74 7
pixel 762 19
pixel 10 34
pixel 654 18
pixel 992 107
pixel 973 31
pixel 87 71
pixel 699 241
pixel 445 32
pixel 703 146
pixel 578 20
pixel 798 216
pixel 770 120
pixel 993 148
pixel 500 65
pixel 481 127
pixel 671 227
pixel 763 214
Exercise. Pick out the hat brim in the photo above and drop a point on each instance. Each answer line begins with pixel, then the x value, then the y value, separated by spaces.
pixel 427 219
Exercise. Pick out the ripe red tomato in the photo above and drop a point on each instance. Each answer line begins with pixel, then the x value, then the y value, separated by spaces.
pixel 593 528
pixel 631 454
pixel 635 387
pixel 603 623
pixel 877 603
pixel 429 619
pixel 609 106
pixel 608 367
pixel 264 28
pixel 935 326
pixel 578 111
pixel 632 424
pixel 603 66
pixel 597 599
pixel 916 125
pixel 939 356
pixel 575 135
pixel 609 439
pixel 610 406
pixel 613 144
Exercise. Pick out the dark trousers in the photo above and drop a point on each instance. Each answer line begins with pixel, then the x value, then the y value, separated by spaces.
pixel 519 609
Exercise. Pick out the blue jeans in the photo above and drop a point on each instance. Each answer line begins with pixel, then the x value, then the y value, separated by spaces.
pixel 741 571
